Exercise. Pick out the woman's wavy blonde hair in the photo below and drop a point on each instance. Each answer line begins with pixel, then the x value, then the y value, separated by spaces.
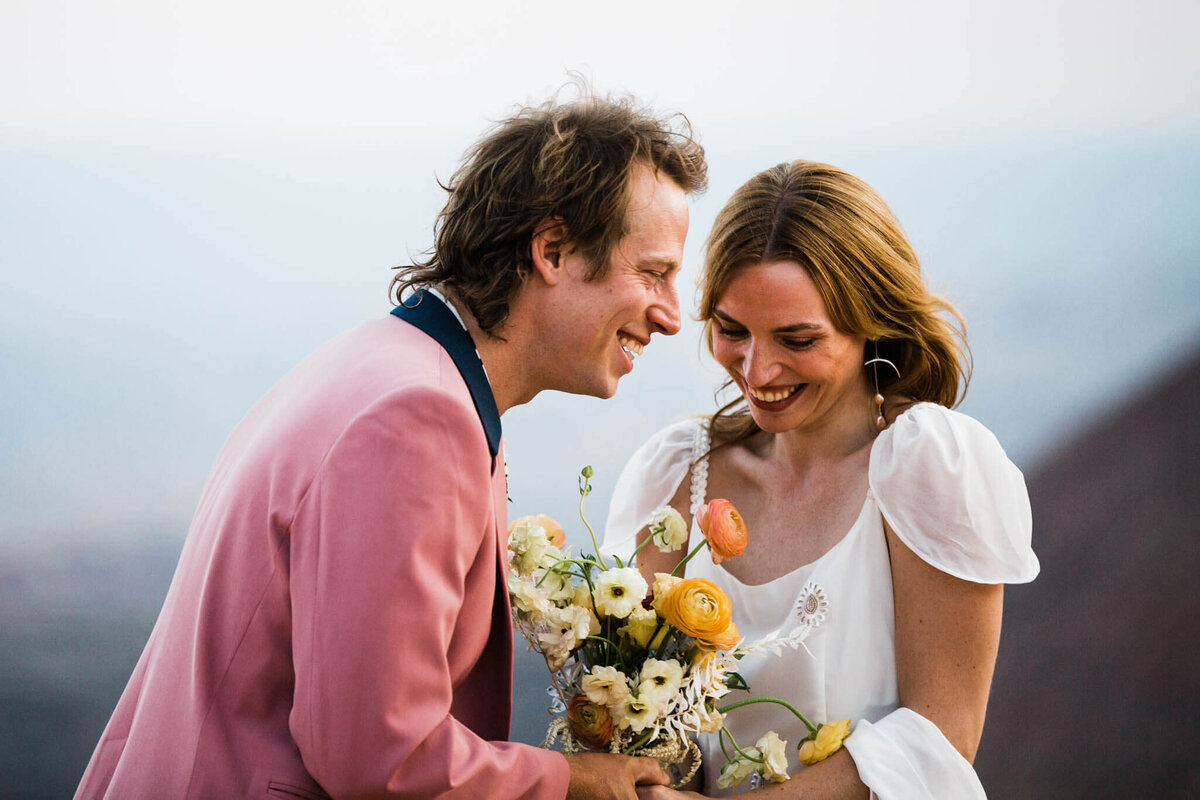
pixel 836 227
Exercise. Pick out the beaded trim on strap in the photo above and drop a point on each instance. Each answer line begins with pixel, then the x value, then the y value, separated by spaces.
pixel 700 468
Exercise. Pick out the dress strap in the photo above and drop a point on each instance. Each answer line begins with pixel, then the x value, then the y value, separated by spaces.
pixel 699 468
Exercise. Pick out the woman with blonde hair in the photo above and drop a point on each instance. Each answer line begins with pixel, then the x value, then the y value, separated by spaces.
pixel 877 514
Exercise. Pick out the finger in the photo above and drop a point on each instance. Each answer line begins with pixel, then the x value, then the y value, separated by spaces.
pixel 649 771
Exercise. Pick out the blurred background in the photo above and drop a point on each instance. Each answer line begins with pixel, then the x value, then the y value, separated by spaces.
pixel 195 195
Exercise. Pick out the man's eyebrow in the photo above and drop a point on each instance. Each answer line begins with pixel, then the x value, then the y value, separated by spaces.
pixel 799 327
pixel 663 261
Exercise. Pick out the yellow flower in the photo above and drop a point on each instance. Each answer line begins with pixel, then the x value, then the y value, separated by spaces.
pixel 774 755
pixel 724 528
pixel 640 626
pixel 590 722
pixel 668 529
pixel 698 608
pixel 827 741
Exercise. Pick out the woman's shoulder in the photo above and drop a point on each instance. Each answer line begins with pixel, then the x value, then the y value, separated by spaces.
pixel 947 488
pixel 651 477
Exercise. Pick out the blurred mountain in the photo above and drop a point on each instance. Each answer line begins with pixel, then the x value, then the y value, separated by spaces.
pixel 1097 690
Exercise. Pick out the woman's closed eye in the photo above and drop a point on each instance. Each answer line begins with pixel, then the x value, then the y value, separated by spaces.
pixel 729 331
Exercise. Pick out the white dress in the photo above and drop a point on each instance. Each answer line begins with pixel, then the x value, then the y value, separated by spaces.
pixel 950 494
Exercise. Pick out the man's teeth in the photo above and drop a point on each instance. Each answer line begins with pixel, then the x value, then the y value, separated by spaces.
pixel 773 396
pixel 631 346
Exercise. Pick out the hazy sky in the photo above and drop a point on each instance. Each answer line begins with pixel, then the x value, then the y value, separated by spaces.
pixel 193 195
pixel 72 67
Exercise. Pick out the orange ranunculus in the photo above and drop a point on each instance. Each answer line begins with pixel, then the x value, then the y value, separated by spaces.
pixel 554 531
pixel 591 723
pixel 724 528
pixel 698 608
pixel 725 639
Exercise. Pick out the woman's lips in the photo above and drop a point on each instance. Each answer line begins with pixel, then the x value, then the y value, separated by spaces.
pixel 774 399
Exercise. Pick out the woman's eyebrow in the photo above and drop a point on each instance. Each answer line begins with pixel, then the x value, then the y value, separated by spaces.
pixel 799 327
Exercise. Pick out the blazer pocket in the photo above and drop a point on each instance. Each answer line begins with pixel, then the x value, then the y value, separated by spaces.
pixel 290 791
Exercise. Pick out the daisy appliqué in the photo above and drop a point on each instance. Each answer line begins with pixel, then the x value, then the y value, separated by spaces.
pixel 812 606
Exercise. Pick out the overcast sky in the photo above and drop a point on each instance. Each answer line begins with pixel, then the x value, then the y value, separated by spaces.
pixel 283 65
pixel 193 195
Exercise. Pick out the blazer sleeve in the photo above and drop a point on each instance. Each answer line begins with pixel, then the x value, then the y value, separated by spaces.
pixel 380 550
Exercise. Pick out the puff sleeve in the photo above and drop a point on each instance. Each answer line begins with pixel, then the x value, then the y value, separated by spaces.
pixel 946 488
pixel 649 480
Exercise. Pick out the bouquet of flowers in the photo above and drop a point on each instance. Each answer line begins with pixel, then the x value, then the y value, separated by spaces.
pixel 639 668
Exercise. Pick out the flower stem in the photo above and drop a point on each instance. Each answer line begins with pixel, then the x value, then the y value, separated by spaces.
pixel 595 545
pixel 784 703
pixel 638 549
pixel 696 549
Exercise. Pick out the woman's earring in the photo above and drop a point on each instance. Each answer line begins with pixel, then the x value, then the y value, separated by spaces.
pixel 880 422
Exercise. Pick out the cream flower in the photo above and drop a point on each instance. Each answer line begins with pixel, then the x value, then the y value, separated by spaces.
pixel 582 596
pixel 739 769
pixel 566 628
pixel 554 531
pixel 606 686
pixel 640 625
pixel 668 529
pixel 660 679
pixel 774 755
pixel 638 713
pixel 710 722
pixel 528 546
pixel 619 590
pixel 663 584
pixel 528 597
pixel 556 585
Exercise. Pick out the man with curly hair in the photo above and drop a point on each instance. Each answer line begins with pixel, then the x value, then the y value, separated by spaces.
pixel 338 625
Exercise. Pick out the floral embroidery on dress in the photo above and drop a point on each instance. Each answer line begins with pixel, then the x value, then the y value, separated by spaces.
pixel 813 605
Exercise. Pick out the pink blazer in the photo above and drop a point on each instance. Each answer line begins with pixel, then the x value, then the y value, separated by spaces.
pixel 338 624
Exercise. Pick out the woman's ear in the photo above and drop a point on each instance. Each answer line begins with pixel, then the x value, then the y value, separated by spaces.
pixel 546 249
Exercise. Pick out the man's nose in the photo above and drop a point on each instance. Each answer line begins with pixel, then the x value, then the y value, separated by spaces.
pixel 664 315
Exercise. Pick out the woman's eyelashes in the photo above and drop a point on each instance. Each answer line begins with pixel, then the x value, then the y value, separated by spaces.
pixel 735 333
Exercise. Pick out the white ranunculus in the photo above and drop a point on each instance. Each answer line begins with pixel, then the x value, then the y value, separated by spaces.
pixel 668 529
pixel 565 629
pixel 619 590
pixel 528 546
pixel 774 754
pixel 638 713
pixel 528 597
pixel 606 686
pixel 660 679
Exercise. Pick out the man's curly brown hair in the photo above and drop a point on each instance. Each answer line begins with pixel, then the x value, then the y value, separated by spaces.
pixel 568 164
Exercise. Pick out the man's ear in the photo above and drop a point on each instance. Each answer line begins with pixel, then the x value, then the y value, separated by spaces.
pixel 546 248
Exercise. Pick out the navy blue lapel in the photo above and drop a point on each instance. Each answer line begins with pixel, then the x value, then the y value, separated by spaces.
pixel 425 311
